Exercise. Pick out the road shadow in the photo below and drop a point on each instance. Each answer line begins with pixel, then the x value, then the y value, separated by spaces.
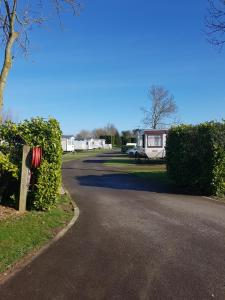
pixel 88 169
pixel 118 179
pixel 94 161
pixel 111 155
pixel 121 181
pixel 125 161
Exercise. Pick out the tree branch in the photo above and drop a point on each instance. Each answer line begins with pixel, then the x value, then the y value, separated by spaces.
pixel 215 22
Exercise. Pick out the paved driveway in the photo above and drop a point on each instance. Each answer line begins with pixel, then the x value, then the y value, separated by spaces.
pixel 132 241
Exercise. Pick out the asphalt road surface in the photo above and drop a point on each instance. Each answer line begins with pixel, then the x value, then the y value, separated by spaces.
pixel 133 240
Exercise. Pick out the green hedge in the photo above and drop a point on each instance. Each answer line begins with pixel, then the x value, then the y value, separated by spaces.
pixel 47 178
pixel 195 157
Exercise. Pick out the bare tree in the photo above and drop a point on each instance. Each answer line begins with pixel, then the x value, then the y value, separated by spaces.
pixel 110 129
pixel 98 132
pixel 9 115
pixel 110 133
pixel 215 22
pixel 16 20
pixel 162 107
pixel 84 134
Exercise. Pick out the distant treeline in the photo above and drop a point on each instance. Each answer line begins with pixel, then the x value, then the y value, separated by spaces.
pixel 111 134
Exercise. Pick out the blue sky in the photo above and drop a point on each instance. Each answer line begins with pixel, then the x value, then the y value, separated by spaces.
pixel 98 69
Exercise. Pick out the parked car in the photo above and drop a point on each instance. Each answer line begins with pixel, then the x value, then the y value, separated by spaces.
pixel 132 152
pixel 125 148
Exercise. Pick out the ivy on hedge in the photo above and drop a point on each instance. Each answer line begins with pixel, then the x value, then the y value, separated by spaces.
pixel 196 157
pixel 47 178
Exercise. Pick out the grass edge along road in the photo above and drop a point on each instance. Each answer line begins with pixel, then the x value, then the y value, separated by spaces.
pixel 153 170
pixel 23 234
pixel 82 154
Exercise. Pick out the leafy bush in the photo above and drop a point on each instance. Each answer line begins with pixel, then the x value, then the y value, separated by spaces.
pixel 196 157
pixel 10 162
pixel 47 186
pixel 47 178
pixel 6 166
pixel 9 175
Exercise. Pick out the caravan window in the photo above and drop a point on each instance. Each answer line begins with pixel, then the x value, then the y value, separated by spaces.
pixel 154 141
pixel 143 141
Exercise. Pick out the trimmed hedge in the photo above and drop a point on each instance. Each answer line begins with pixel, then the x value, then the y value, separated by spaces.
pixel 47 178
pixel 195 157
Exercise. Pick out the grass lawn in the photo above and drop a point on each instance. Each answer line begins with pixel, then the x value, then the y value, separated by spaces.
pixel 154 170
pixel 82 154
pixel 21 234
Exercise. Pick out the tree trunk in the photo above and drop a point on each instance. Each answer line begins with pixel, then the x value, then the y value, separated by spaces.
pixel 7 64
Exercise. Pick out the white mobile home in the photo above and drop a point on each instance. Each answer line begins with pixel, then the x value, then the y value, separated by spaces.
pixel 108 146
pixel 80 145
pixel 151 143
pixel 70 144
pixel 89 144
pixel 96 143
pixel 67 143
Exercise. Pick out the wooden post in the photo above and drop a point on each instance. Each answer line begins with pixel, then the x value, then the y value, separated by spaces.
pixel 24 178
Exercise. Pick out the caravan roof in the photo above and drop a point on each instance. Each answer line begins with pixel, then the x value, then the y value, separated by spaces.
pixel 155 131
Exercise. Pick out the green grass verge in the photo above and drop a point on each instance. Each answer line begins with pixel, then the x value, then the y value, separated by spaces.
pixel 154 170
pixel 82 154
pixel 21 235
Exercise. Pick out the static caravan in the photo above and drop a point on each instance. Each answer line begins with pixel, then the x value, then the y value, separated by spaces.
pixel 100 143
pixel 67 143
pixel 70 144
pixel 80 145
pixel 95 144
pixel 108 146
pixel 151 143
pixel 89 144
